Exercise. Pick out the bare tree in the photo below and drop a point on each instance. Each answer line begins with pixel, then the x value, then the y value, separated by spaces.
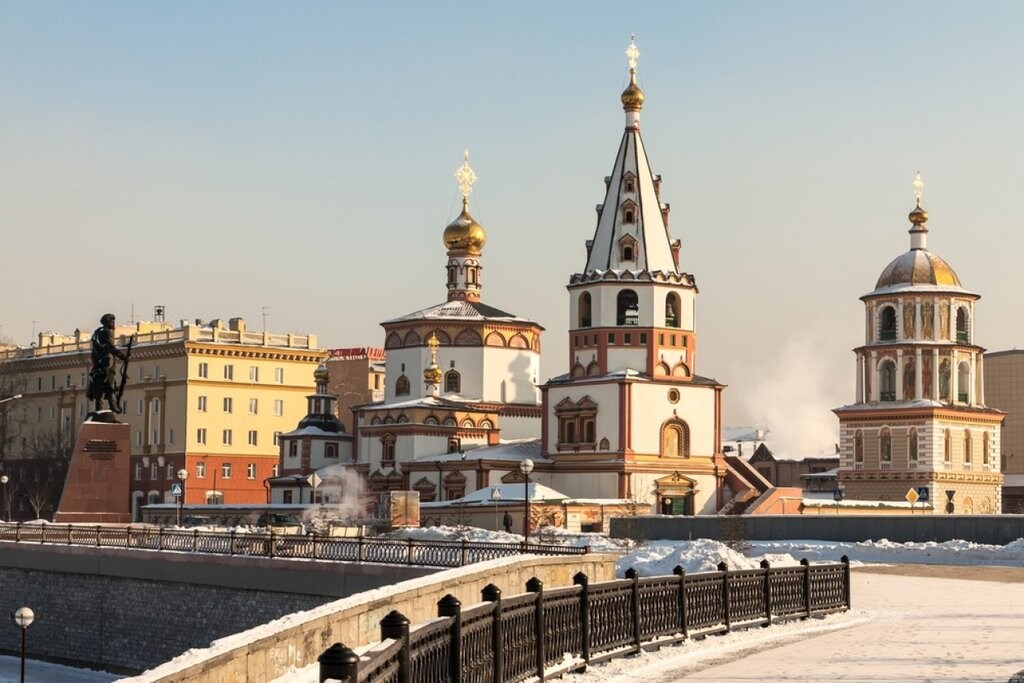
pixel 12 423
pixel 45 468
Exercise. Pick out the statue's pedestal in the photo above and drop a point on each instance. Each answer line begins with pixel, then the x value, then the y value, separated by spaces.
pixel 97 487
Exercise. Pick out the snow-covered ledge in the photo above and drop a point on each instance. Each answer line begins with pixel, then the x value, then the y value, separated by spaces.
pixel 294 641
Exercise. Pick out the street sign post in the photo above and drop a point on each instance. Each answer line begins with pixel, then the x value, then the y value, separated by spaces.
pixel 912 498
pixel 314 481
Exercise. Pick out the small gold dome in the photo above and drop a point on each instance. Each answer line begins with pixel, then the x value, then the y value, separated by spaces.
pixel 632 96
pixel 321 374
pixel 465 234
pixel 918 215
pixel 432 375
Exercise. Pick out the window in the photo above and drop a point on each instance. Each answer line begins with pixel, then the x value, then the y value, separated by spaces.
pixel 200 470
pixel 252 437
pixel 275 470
pixel 154 471
pixel 627 252
pixel 278 407
pixel 279 375
pixel 584 312
pixel 140 407
pixel 963 383
pixel 913 453
pixel 138 471
pixel 155 437
pixel 253 406
pixel 885 448
pixel 968 449
pixel 225 470
pixel 250 470
pixel 287 498
pixel 277 438
pixel 330 450
pixel 204 370
pixel 154 406
pixel 961 326
pixel 170 437
pixel 947 449
pixel 227 404
pixel 887 324
pixel 858 450
pixel 402 387
pixel 387 456
pixel 138 438
pixel 887 381
pixel 986 450
pixel 672 310
pixel 254 373
pixel 452 382
pixel 627 308
pixel 293 449
pixel 611 338
pixel 643 338
pixel 226 437
pixel 170 472
pixel 675 440
pixel 627 339
pixel 201 404
pixel 201 436
pixel 229 371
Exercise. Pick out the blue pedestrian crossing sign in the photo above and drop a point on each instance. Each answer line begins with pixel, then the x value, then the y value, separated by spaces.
pixel 177 488
pixel 922 494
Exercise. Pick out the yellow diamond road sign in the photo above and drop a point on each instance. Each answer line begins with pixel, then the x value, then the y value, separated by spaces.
pixel 912 496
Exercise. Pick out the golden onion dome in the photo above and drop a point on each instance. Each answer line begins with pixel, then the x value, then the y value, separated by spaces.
pixel 465 234
pixel 918 216
pixel 321 374
pixel 432 375
pixel 632 97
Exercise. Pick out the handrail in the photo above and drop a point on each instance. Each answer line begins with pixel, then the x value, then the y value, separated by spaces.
pixel 546 633
pixel 456 553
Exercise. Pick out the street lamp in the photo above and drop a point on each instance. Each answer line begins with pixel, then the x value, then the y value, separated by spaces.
pixel 526 466
pixel 23 618
pixel 7 498
pixel 182 475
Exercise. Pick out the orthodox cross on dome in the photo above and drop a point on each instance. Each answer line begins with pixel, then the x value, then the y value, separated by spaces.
pixel 918 188
pixel 466 177
pixel 433 344
pixel 632 53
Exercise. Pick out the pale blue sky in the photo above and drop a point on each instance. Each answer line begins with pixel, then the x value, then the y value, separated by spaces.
pixel 220 157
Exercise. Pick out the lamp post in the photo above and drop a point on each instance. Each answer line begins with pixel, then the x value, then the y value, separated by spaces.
pixel 182 476
pixel 526 466
pixel 7 498
pixel 495 496
pixel 23 618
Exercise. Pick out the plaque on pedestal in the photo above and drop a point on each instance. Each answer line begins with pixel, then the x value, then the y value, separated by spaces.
pixel 97 487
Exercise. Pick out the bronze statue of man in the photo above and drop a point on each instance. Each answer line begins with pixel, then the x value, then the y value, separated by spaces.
pixel 103 383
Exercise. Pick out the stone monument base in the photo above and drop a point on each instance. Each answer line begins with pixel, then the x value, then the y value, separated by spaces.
pixel 97 487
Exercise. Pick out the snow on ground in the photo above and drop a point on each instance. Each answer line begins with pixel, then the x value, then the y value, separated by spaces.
pixel 44 672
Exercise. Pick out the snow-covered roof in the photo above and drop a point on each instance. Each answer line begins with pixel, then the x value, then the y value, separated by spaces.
pixel 513 449
pixel 1013 480
pixel 459 310
pixel 316 431
pixel 827 474
pixel 450 401
pixel 489 495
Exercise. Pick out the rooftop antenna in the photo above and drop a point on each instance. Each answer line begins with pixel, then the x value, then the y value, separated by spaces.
pixel 266 312
pixel 131 317
pixel 158 314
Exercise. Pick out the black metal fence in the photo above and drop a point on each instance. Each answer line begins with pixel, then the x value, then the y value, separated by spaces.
pixel 526 636
pixel 310 546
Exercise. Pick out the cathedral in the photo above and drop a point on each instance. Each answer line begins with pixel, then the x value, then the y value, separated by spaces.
pixel 919 429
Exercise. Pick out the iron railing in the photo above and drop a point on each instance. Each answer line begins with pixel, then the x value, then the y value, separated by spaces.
pixel 506 640
pixel 311 547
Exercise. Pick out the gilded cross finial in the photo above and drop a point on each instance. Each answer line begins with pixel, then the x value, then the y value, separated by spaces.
pixel 466 177
pixel 918 188
pixel 632 53
pixel 433 344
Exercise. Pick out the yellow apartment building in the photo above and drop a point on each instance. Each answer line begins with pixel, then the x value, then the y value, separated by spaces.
pixel 210 398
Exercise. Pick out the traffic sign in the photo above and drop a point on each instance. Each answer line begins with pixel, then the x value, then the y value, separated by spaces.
pixel 922 494
pixel 177 489
pixel 314 480
pixel 912 496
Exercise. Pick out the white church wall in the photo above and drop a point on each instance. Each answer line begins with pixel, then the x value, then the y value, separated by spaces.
pixel 468 362
pixel 631 358
pixel 520 428
pixel 583 484
pixel 414 360
pixel 510 375
pixel 651 408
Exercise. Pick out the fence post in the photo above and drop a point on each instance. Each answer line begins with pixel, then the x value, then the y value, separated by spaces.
pixel 340 663
pixel 465 554
pixel 195 540
pixel 807 586
pixel 17 533
pixel 270 547
pixel 766 566
pixel 160 538
pixel 581 580
pixel 535 585
pixel 449 606
pixel 724 568
pixel 396 626
pixel 231 542
pixel 359 549
pixel 683 626
pixel 846 580
pixel 314 544
pixel 69 534
pixel 97 535
pixel 492 593
pixel 634 605
pixel 409 555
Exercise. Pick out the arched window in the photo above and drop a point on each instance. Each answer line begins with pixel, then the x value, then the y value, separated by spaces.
pixel 584 311
pixel 627 308
pixel 675 440
pixel 962 332
pixel 986 450
pixel 885 448
pixel 604 445
pixel 887 326
pixel 588 431
pixel 858 450
pixel 387 453
pixel 411 338
pixel 672 310
pixel 947 448
pixel 452 382
pixel 968 448
pixel 912 448
pixel 402 387
pixel 963 383
pixel 568 431
pixel 887 381
pixel 593 369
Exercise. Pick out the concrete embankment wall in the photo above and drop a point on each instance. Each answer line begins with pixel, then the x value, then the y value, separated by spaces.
pixel 127 611
pixel 993 529
pixel 268 652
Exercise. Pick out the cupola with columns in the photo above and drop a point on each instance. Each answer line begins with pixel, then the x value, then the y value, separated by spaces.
pixel 464 238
